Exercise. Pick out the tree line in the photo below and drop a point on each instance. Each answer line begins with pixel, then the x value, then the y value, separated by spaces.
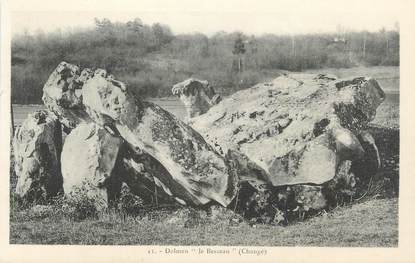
pixel 150 58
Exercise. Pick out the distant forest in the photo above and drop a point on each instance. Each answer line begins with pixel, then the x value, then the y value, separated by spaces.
pixel 150 58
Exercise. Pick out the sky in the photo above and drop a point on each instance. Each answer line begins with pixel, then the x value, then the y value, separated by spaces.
pixel 186 16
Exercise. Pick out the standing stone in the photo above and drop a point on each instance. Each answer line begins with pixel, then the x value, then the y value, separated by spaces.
pixel 197 96
pixel 37 146
pixel 88 159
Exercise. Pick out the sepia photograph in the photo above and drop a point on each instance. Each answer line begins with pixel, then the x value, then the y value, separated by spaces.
pixel 204 128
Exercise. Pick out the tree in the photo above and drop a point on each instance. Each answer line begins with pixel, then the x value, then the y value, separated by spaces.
pixel 135 25
pixel 204 46
pixel 239 50
pixel 162 34
pixel 103 25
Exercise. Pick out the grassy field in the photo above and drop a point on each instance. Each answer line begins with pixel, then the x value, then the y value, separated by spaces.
pixel 368 224
pixel 370 221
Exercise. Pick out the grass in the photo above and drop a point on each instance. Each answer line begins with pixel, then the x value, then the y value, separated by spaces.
pixel 387 115
pixel 368 224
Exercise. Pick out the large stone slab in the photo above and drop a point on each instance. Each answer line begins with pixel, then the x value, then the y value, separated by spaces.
pixel 196 172
pixel 37 145
pixel 298 128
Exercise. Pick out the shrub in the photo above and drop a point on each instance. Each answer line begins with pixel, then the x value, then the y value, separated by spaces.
pixel 78 206
pixel 129 203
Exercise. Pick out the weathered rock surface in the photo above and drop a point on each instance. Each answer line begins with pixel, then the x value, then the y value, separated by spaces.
pixel 196 174
pixel 37 145
pixel 89 152
pixel 298 128
pixel 197 96
pixel 62 94
pixel 292 143
pixel 88 159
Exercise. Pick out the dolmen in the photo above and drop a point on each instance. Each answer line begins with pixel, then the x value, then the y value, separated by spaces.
pixel 290 146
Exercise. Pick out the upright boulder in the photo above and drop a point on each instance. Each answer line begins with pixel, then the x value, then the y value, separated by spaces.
pixel 37 145
pixel 197 96
pixel 197 174
pixel 88 160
